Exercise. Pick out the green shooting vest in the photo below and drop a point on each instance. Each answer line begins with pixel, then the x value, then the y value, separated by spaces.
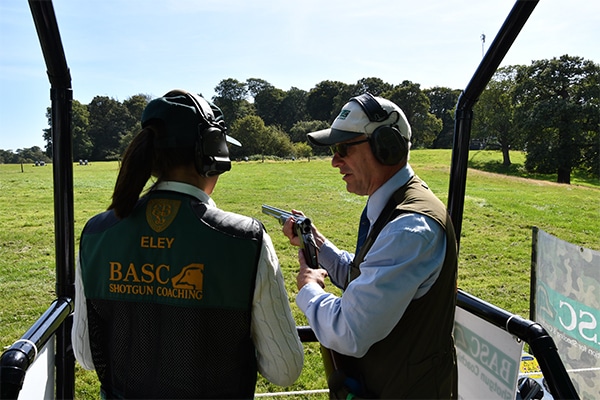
pixel 169 295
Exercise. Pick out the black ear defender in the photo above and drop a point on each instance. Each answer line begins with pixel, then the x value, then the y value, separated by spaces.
pixel 387 143
pixel 211 151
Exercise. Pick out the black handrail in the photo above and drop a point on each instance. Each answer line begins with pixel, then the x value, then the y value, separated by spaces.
pixel 467 99
pixel 17 359
pixel 541 344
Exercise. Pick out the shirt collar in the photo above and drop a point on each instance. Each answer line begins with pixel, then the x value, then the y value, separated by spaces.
pixel 380 197
pixel 185 188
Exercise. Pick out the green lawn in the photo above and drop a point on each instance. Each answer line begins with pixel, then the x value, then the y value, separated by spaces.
pixel 501 207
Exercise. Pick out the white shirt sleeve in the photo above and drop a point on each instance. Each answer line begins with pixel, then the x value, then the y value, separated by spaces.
pixel 79 333
pixel 280 354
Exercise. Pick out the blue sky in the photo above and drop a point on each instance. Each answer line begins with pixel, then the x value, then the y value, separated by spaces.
pixel 126 47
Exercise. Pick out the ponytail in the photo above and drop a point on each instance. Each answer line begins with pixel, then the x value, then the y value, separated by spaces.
pixel 136 169
pixel 144 159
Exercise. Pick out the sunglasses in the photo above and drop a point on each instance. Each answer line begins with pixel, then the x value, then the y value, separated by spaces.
pixel 342 148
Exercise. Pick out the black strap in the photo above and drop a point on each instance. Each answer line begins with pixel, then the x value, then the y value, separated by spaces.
pixel 371 107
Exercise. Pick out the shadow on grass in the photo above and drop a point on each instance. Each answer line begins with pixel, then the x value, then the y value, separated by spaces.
pixel 578 177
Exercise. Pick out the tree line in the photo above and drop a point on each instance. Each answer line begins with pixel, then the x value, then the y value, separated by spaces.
pixel 549 109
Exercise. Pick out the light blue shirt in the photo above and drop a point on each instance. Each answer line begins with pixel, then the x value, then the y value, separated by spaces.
pixel 402 265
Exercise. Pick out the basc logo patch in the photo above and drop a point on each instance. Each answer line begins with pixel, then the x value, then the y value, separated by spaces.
pixel 161 212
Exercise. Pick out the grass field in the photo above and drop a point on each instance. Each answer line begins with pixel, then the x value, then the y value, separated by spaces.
pixel 501 207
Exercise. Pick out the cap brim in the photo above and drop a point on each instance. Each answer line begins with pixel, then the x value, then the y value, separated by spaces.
pixel 327 137
pixel 232 141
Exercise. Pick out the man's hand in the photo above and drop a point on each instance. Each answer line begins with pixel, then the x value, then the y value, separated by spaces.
pixel 307 274
pixel 288 231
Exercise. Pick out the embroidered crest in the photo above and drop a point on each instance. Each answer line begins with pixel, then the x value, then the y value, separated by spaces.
pixel 161 212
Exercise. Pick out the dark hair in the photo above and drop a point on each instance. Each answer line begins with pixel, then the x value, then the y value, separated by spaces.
pixel 141 160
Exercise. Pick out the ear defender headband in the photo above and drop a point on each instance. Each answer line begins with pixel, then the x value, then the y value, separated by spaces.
pixel 371 107
pixel 387 143
pixel 211 151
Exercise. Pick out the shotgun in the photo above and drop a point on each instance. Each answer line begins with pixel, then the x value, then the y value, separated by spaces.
pixel 302 229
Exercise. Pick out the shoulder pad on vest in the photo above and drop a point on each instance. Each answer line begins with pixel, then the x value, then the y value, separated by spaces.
pixel 230 223
pixel 101 222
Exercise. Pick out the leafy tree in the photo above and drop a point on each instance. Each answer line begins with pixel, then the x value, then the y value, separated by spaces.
pixel 252 133
pixel 591 125
pixel 443 105
pixel 293 108
pixel 47 133
pixel 344 95
pixel 424 125
pixel 7 157
pixel 557 108
pixel 31 155
pixel 268 104
pixel 375 86
pixel 300 129
pixel 278 143
pixel 135 107
pixel 231 99
pixel 493 119
pixel 109 122
pixel 591 153
pixel 302 149
pixel 276 106
pixel 568 113
pixel 321 100
pixel 80 124
pixel 256 85
pixel 259 139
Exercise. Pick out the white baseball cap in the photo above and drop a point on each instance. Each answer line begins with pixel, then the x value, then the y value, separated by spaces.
pixel 353 120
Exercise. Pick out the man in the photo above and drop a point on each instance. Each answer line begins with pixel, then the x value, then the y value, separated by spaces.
pixel 390 332
pixel 176 298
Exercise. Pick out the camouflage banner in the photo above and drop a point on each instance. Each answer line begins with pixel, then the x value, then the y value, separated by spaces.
pixel 566 302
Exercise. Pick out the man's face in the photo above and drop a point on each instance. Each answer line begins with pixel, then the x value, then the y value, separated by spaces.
pixel 363 174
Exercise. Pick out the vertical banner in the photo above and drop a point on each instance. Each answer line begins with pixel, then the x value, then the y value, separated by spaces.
pixel 39 379
pixel 566 301
pixel 488 359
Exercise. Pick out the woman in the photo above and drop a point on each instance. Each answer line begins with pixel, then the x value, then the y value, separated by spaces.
pixel 176 298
